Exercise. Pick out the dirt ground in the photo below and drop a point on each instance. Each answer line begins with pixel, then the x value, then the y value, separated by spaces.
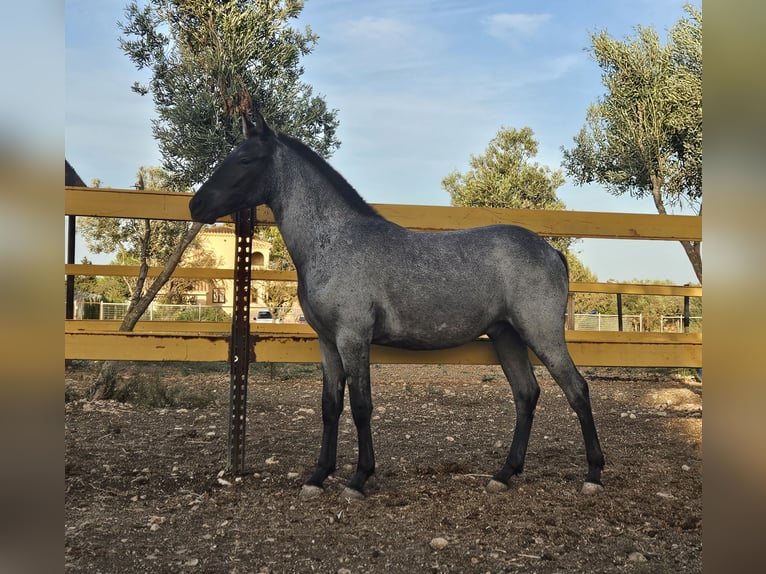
pixel 145 490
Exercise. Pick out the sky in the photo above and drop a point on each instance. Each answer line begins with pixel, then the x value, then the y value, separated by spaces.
pixel 419 85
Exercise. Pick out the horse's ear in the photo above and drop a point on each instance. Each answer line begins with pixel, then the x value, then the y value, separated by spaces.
pixel 256 128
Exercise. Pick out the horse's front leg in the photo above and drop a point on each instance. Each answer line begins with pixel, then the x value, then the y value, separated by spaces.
pixel 356 360
pixel 334 381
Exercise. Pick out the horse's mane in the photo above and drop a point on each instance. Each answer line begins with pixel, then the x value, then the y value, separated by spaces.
pixel 336 179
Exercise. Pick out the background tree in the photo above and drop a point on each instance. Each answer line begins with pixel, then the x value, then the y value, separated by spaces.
pixel 210 62
pixel 279 296
pixel 143 242
pixel 654 307
pixel 644 137
pixel 109 289
pixel 506 176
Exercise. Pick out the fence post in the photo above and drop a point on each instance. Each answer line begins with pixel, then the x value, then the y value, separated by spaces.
pixel 619 312
pixel 239 346
pixel 686 314
pixel 570 312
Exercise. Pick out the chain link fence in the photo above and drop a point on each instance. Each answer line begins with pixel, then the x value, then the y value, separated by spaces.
pixel 602 322
pixel 166 312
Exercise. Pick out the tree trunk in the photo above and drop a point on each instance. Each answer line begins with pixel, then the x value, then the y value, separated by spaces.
pixel 106 380
pixel 691 248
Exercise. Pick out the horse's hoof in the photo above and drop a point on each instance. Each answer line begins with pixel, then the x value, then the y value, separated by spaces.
pixel 352 494
pixel 591 488
pixel 496 486
pixel 309 491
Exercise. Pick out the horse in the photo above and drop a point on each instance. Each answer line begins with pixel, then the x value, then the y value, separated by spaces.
pixel 365 280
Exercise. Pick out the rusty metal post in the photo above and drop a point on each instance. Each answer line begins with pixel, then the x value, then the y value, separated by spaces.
pixel 239 346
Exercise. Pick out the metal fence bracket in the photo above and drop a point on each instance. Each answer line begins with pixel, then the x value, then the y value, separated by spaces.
pixel 239 346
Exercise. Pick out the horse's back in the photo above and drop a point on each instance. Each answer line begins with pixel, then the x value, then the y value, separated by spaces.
pixel 439 289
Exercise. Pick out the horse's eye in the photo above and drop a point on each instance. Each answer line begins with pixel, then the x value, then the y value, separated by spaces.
pixel 245 160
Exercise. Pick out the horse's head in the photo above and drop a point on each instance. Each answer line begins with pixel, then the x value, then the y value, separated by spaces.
pixel 237 183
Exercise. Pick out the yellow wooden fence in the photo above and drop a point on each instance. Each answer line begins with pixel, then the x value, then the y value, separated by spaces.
pixel 208 341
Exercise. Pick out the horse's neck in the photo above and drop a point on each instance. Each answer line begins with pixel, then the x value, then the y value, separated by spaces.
pixel 311 215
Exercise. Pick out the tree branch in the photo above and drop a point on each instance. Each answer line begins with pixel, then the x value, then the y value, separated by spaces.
pixel 135 312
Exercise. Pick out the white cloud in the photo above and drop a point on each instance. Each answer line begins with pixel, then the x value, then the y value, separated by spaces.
pixel 376 29
pixel 384 44
pixel 513 25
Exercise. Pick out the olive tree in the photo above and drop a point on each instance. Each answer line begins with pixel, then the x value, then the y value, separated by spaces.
pixel 644 136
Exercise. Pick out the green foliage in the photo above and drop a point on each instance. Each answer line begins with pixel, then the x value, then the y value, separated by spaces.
pixel 651 307
pixel 109 289
pixel 505 176
pixel 280 258
pixel 644 136
pixel 278 295
pixel 127 237
pixel 206 314
pixel 585 302
pixel 211 61
pixel 646 132
pixel 137 241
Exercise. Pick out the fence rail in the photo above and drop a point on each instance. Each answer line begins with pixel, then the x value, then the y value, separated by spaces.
pixel 162 205
pixel 296 343
pixel 208 341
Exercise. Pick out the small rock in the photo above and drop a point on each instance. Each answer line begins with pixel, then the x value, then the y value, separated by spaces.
pixel 344 571
pixel 272 460
pixel 191 562
pixel 439 543
pixel 636 557
pixel 154 522
pixel 292 475
pixel 685 467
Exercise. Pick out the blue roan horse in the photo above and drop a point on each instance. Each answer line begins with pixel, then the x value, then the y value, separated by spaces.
pixel 363 279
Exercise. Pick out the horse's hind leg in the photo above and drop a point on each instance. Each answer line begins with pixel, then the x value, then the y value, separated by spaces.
pixel 553 352
pixel 334 381
pixel 514 359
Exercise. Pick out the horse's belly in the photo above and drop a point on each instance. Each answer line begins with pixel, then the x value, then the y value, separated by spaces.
pixel 427 335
